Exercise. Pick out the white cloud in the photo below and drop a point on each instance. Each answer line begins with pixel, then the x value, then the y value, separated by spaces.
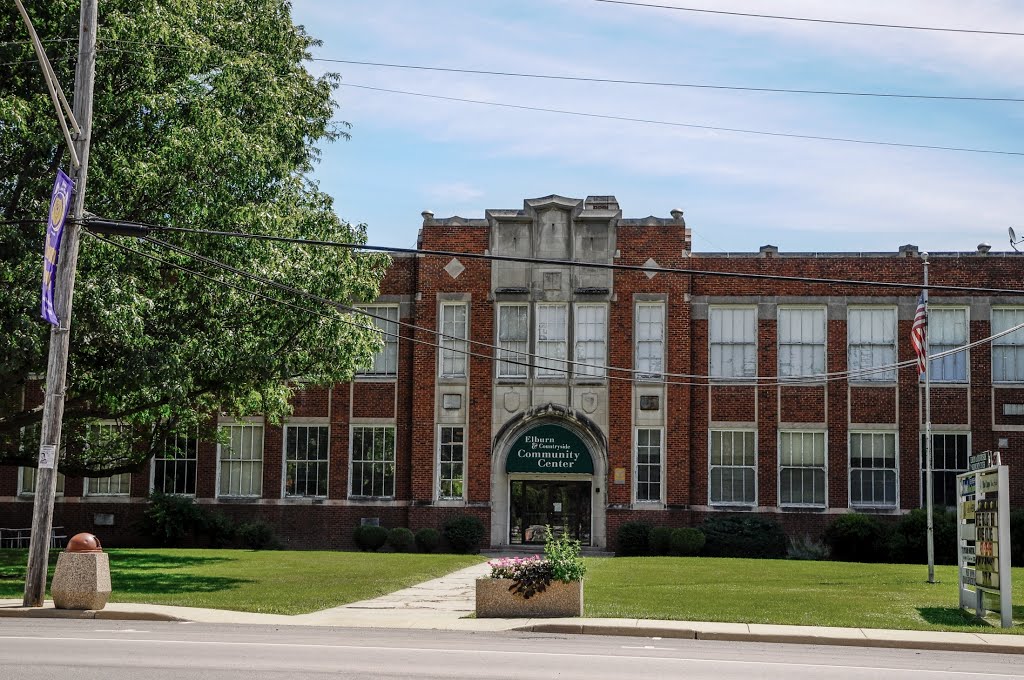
pixel 448 193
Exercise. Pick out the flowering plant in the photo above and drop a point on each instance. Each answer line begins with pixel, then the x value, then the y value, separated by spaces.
pixel 532 575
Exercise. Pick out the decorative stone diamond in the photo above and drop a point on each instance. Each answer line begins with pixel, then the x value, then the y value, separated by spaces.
pixel 651 264
pixel 454 268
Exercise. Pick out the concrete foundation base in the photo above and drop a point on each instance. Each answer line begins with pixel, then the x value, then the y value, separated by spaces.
pixel 493 600
pixel 81 581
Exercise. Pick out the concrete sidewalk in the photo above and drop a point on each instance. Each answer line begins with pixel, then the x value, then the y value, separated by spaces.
pixel 447 603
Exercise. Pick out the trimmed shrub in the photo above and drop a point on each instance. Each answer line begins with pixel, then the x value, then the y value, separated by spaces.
pixel 806 548
pixel 257 535
pixel 856 537
pixel 1017 537
pixel 169 518
pixel 659 541
pixel 370 538
pixel 218 528
pixel 743 536
pixel 428 539
pixel 400 539
pixel 908 541
pixel 686 542
pixel 464 533
pixel 633 539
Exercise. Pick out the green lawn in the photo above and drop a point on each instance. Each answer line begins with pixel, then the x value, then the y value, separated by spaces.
pixel 782 592
pixel 273 582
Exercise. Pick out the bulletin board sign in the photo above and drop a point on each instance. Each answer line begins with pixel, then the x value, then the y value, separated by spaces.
pixel 983 541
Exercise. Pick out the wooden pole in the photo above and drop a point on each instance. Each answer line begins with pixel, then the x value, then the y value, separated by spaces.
pixel 57 364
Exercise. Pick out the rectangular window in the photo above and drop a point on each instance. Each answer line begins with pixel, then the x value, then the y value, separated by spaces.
pixel 454 329
pixel 949 459
pixel 513 341
pixel 174 467
pixel 305 460
pixel 648 465
pixel 802 468
pixel 650 339
pixel 947 329
pixel 1008 351
pixel 591 340
pixel 100 435
pixel 873 469
pixel 385 362
pixel 801 342
pixel 241 461
pixel 871 342
pixel 732 333
pixel 373 461
pixel 552 328
pixel 27 482
pixel 733 472
pixel 452 463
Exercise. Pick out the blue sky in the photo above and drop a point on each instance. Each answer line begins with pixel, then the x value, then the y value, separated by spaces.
pixel 738 191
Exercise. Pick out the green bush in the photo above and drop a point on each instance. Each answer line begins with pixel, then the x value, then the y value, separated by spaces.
pixel 686 542
pixel 370 537
pixel 257 535
pixel 1017 537
pixel 743 536
pixel 428 539
pixel 218 528
pixel 464 533
pixel 806 548
pixel 400 539
pixel 855 537
pixel 908 541
pixel 659 541
pixel 168 518
pixel 563 554
pixel 633 539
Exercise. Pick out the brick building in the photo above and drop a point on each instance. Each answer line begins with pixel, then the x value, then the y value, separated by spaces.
pixel 585 397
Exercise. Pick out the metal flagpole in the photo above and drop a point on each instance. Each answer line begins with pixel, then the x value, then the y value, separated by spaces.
pixel 928 431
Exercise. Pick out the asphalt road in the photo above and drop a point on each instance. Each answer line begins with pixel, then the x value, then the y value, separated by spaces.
pixel 87 650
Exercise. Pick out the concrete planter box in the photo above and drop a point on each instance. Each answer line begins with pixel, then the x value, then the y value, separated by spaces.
pixel 81 581
pixel 493 600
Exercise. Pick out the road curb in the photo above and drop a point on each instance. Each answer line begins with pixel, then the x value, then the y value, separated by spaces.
pixel 102 614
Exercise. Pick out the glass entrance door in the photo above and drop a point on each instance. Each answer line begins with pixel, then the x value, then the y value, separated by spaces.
pixel 562 505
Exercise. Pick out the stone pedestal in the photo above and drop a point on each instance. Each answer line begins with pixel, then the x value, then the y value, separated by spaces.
pixel 81 581
pixel 493 600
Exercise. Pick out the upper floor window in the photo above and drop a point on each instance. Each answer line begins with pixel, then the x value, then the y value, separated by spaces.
pixel 513 341
pixel 591 340
pixel 552 329
pixel 732 334
pixel 871 343
pixel 947 329
pixel 801 342
pixel 385 362
pixel 1008 351
pixel 241 460
pixel 454 329
pixel 650 339
pixel 174 466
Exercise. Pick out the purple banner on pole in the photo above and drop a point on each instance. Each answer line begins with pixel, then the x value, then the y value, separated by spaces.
pixel 60 203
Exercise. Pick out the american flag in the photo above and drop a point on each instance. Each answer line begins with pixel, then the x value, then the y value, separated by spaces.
pixel 917 331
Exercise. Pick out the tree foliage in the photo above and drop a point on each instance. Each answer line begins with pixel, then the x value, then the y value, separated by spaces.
pixel 205 117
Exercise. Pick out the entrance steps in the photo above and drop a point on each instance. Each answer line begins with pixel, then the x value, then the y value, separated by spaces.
pixel 526 550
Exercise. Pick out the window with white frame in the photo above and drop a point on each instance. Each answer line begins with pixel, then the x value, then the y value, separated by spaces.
pixel 241 460
pixel 454 329
pixel 98 436
pixel 802 476
pixel 552 329
pixel 513 341
pixel 1008 351
pixel 451 463
pixel 591 340
pixel 732 334
pixel 385 362
pixel 650 339
pixel 174 466
pixel 873 471
pixel 801 341
pixel 871 343
pixel 950 452
pixel 373 461
pixel 305 460
pixel 648 465
pixel 27 481
pixel 947 329
pixel 733 470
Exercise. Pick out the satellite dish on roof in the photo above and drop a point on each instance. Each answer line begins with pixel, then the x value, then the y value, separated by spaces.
pixel 1014 240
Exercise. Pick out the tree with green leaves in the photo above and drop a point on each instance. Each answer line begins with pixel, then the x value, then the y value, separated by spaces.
pixel 205 117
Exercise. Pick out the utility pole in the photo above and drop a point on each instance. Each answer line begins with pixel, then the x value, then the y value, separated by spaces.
pixel 57 364
pixel 929 498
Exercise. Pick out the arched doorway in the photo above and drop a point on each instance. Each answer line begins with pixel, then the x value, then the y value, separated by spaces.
pixel 548 469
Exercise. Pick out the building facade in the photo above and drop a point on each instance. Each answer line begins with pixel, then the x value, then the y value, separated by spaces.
pixel 532 393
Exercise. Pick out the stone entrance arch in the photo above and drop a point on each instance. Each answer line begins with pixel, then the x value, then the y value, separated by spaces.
pixel 581 428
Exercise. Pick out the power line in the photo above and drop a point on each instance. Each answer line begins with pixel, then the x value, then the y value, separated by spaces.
pixel 695 126
pixel 867 24
pixel 657 83
pixel 143 229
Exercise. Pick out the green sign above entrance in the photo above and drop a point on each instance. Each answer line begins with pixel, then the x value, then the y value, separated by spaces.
pixel 549 448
